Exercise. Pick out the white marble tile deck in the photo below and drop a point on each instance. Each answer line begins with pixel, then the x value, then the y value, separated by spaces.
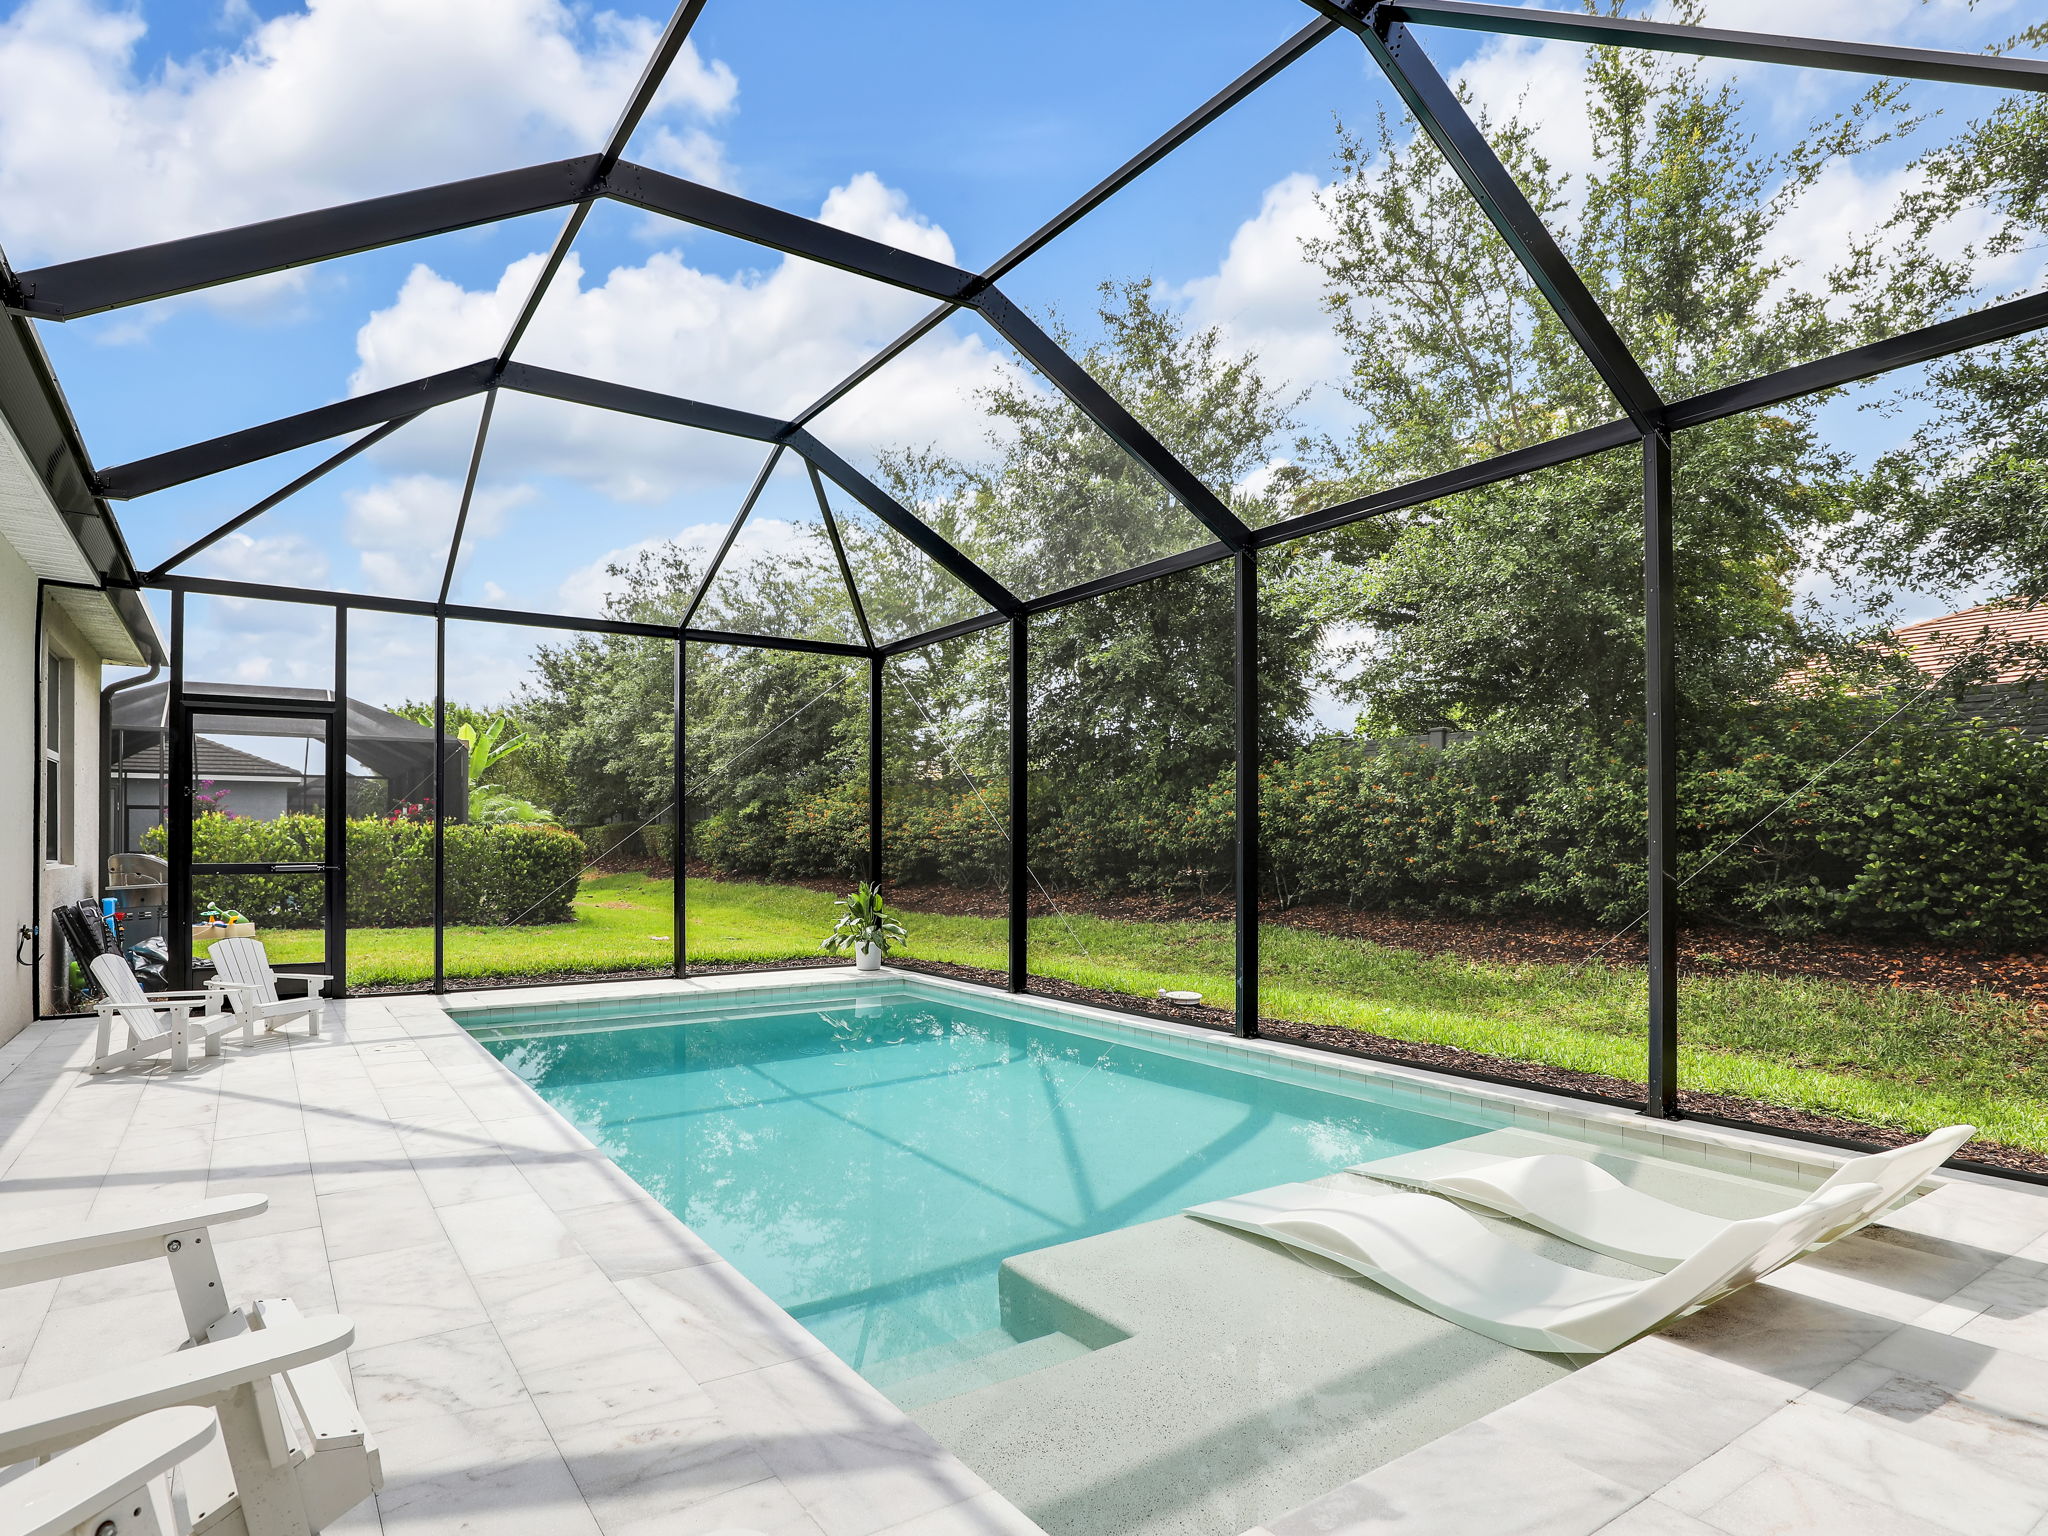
pixel 541 1348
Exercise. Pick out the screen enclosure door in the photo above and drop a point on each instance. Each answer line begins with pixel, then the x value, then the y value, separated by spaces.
pixel 255 834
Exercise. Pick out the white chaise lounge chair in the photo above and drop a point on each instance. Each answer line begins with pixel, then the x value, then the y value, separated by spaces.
pixel 157 1023
pixel 1585 1204
pixel 1442 1257
pixel 241 970
pixel 118 1481
pixel 294 1455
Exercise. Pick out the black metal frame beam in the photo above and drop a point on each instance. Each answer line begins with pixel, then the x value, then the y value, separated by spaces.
pixel 945 632
pixel 732 533
pixel 208 586
pixel 1492 186
pixel 1998 322
pixel 177 813
pixel 469 478
pixel 892 512
pixel 791 233
pixel 679 896
pixel 1245 789
pixel 1507 466
pixel 1998 74
pixel 205 542
pixel 1108 413
pixel 1020 803
pixel 1066 597
pixel 440 799
pixel 71 290
pixel 671 42
pixel 630 400
pixel 654 406
pixel 860 612
pixel 334 853
pixel 876 682
pixel 159 472
pixel 1231 94
pixel 1660 748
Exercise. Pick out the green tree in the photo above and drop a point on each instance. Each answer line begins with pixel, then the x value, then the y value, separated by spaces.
pixel 1134 686
pixel 1959 504
pixel 1519 607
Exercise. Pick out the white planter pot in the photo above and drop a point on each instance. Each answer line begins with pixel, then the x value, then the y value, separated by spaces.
pixel 867 957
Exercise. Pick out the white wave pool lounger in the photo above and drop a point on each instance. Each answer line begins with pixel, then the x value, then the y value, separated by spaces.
pixel 1576 1199
pixel 1442 1257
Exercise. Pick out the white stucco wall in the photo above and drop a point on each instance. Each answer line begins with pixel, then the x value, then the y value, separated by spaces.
pixel 22 656
pixel 80 875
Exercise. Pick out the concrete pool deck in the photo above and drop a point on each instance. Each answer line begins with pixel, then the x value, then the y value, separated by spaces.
pixel 543 1348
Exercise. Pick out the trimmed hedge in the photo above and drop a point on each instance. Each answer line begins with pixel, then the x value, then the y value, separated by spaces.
pixel 1936 827
pixel 496 875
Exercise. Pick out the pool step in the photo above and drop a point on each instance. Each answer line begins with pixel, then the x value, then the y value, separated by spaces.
pixel 969 1364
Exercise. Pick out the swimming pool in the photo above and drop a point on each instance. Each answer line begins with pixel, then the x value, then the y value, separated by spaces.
pixel 870 1160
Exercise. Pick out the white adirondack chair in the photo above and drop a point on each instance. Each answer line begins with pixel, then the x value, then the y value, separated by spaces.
pixel 241 971
pixel 118 1481
pixel 294 1455
pixel 157 1023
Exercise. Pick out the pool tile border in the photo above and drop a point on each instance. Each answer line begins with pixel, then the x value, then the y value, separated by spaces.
pixel 1746 1154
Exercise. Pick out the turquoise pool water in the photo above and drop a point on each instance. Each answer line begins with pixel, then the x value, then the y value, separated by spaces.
pixel 871 1164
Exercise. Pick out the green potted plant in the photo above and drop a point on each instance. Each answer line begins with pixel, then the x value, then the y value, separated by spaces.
pixel 866 926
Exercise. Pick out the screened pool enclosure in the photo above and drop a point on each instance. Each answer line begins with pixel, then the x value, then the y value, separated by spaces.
pixel 1072 689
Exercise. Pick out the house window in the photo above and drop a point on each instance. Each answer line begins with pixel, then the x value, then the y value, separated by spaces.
pixel 57 753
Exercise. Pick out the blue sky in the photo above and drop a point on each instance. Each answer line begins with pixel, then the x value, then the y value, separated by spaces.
pixel 948 128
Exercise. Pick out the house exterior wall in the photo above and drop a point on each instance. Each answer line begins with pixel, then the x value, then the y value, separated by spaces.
pixel 254 801
pixel 77 874
pixel 20 657
pixel 25 991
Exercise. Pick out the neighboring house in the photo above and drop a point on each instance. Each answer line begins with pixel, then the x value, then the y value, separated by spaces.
pixel 60 623
pixel 390 760
pixel 229 779
pixel 2013 689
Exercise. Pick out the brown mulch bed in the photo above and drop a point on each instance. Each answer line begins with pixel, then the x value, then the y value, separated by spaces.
pixel 1527 1074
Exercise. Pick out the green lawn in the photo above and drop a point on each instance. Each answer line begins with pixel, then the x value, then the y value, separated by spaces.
pixel 1883 1056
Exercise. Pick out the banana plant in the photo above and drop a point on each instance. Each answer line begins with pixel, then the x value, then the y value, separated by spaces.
pixel 489 747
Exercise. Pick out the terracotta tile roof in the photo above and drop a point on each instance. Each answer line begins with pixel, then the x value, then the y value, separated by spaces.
pixel 1935 645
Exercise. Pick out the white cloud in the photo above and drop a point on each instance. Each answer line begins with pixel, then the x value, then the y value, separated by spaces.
pixel 1266 296
pixel 767 340
pixel 1847 204
pixel 275 559
pixel 1956 24
pixel 345 99
pixel 400 528
pixel 1540 83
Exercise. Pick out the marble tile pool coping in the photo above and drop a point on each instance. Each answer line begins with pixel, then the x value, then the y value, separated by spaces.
pixel 1748 1154
pixel 542 1347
